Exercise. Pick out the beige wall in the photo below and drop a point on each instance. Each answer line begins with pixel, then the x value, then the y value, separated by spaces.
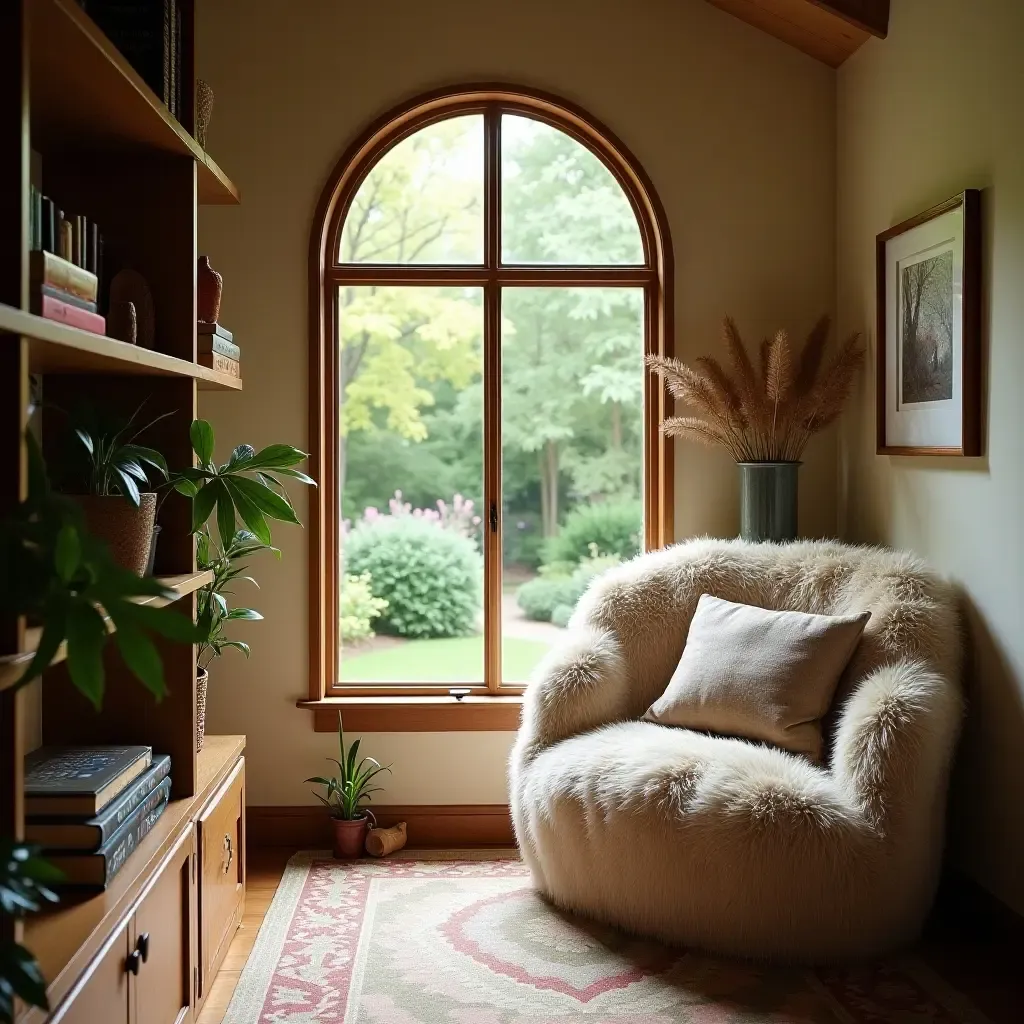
pixel 936 108
pixel 735 129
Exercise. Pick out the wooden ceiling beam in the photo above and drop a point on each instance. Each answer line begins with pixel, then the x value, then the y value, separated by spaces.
pixel 870 15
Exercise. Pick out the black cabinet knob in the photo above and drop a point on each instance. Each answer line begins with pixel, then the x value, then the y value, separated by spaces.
pixel 133 962
pixel 142 945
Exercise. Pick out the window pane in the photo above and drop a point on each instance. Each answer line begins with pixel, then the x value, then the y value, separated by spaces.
pixel 559 203
pixel 423 200
pixel 411 477
pixel 572 454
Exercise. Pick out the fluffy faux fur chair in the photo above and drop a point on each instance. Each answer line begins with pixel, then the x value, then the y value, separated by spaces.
pixel 723 844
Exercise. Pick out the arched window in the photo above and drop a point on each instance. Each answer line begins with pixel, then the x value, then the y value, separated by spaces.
pixel 489 267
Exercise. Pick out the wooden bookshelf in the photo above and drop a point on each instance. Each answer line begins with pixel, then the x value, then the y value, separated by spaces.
pixel 56 348
pixel 78 122
pixel 84 93
pixel 12 666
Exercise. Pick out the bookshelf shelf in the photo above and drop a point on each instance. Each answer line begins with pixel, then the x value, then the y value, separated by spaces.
pixel 66 937
pixel 12 666
pixel 57 348
pixel 85 95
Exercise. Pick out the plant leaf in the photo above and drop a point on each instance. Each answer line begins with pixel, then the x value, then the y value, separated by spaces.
pixel 128 487
pixel 249 511
pixel 248 614
pixel 202 505
pixel 295 474
pixel 186 487
pixel 148 455
pixel 164 621
pixel 276 456
pixel 266 500
pixel 201 436
pixel 87 633
pixel 225 516
pixel 141 657
pixel 68 553
pixel 86 440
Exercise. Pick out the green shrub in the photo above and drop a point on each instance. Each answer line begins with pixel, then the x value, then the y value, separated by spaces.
pixel 359 608
pixel 431 578
pixel 550 595
pixel 603 528
pixel 561 615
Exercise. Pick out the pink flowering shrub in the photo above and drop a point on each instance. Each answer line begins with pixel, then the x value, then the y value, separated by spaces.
pixel 459 515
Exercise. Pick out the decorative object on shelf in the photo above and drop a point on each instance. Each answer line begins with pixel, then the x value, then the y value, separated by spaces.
pixel 122 322
pixel 202 683
pixel 382 841
pixel 763 418
pixel 130 286
pixel 346 793
pixel 247 487
pixel 928 386
pixel 25 880
pixel 110 468
pixel 204 110
pixel 209 286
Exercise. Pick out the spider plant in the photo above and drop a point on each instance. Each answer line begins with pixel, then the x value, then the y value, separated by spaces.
pixel 347 790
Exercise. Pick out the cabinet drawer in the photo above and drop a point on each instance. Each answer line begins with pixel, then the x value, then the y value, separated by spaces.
pixel 103 993
pixel 221 873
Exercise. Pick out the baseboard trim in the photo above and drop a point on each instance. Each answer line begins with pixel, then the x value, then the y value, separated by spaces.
pixel 431 826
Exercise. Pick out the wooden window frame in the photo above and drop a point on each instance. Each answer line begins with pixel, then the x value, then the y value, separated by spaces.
pixel 397 707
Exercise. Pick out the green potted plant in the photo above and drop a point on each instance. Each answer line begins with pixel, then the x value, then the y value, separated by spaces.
pixel 109 472
pixel 248 488
pixel 345 794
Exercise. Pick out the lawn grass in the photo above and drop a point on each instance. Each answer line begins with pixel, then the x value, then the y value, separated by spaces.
pixel 458 660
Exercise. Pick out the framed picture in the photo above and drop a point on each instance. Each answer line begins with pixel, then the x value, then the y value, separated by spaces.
pixel 928 398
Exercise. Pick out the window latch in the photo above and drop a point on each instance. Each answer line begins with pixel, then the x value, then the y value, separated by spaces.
pixel 494 517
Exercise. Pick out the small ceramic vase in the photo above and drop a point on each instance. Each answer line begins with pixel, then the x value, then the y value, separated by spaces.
pixel 209 287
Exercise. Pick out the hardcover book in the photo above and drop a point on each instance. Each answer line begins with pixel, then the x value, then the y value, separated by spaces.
pixel 62 296
pixel 202 327
pixel 209 343
pixel 80 780
pixel 98 869
pixel 65 313
pixel 220 363
pixel 152 787
pixel 49 268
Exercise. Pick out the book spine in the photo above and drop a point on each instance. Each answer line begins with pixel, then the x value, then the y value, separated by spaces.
pixel 221 332
pixel 61 312
pixel 167 54
pixel 119 852
pixel 177 60
pixel 48 268
pixel 221 364
pixel 214 343
pixel 63 296
pixel 126 805
pixel 153 802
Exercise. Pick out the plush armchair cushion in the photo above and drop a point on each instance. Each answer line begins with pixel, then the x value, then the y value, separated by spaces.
pixel 720 843
pixel 759 674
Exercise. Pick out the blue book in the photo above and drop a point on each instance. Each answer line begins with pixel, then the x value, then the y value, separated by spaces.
pixel 80 781
pixel 147 791
pixel 98 869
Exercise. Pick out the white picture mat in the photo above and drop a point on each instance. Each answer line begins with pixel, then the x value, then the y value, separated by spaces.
pixel 925 424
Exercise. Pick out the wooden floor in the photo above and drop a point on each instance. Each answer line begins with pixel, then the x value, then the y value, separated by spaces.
pixel 984 966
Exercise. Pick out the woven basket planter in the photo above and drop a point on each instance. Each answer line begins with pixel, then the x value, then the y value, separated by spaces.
pixel 202 678
pixel 126 530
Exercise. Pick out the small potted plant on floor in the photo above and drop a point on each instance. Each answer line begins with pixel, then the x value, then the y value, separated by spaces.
pixel 345 794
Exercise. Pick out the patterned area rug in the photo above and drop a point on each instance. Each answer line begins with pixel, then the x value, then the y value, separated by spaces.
pixel 463 939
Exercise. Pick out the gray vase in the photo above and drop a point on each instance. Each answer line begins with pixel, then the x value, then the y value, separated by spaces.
pixel 768 500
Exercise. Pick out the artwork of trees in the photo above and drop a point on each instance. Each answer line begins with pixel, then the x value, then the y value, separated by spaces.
pixel 926 330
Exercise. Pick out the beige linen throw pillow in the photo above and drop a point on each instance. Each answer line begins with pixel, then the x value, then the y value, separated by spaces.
pixel 759 674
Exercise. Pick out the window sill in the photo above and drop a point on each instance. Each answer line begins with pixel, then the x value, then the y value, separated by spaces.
pixel 416 714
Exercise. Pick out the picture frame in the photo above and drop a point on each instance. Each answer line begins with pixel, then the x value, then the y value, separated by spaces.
pixel 928 357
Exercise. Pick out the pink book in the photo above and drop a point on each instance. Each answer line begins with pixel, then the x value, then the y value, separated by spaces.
pixel 65 313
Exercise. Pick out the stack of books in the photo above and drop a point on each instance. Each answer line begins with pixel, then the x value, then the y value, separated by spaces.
pixel 64 265
pixel 217 349
pixel 89 808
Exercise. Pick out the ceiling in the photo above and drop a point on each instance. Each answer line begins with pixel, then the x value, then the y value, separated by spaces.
pixel 828 31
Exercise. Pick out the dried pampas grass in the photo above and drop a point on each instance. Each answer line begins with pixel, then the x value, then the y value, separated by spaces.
pixel 766 414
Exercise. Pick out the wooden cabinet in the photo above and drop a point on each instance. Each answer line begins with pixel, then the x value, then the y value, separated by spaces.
pixel 163 948
pixel 221 873
pixel 102 994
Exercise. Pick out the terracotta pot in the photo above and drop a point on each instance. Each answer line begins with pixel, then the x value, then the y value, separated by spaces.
pixel 202 679
pixel 127 531
pixel 350 836
pixel 209 285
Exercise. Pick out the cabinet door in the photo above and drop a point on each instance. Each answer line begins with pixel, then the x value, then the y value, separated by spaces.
pixel 162 940
pixel 221 873
pixel 103 993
